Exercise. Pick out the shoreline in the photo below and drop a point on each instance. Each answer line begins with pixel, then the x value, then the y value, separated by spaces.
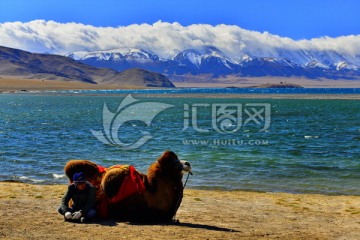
pixel 29 211
pixel 323 96
pixel 312 96
pixel 206 189
pixel 22 84
pixel 31 86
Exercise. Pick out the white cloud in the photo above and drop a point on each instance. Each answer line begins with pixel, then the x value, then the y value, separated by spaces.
pixel 160 38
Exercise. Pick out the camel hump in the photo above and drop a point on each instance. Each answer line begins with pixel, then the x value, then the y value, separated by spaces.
pixel 121 182
pixel 89 169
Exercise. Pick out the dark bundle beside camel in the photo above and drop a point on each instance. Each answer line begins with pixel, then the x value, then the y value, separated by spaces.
pixel 128 195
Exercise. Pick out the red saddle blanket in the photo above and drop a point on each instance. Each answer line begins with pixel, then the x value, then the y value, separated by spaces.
pixel 133 183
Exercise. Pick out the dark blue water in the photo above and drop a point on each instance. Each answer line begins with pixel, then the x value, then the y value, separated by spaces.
pixel 309 146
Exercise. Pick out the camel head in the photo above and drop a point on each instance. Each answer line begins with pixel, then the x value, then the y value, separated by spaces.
pixel 170 164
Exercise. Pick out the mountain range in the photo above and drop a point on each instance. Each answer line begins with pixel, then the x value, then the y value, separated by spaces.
pixel 140 68
pixel 210 62
pixel 26 65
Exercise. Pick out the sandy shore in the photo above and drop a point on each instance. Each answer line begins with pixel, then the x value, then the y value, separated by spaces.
pixel 250 96
pixel 29 212
pixel 28 85
pixel 255 81
pixel 14 84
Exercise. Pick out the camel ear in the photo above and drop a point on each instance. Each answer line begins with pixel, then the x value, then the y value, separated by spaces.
pixel 168 154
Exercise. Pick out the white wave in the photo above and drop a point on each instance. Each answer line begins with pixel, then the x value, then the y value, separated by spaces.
pixel 58 176
pixel 308 136
pixel 24 178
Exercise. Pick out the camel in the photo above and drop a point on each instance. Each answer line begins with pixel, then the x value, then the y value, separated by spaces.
pixel 128 195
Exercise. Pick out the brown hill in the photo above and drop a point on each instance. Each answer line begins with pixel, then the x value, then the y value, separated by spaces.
pixel 140 76
pixel 22 64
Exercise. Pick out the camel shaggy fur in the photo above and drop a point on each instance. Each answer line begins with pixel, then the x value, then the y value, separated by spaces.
pixel 128 195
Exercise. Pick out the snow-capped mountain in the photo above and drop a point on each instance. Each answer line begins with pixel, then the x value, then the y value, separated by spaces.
pixel 120 54
pixel 324 59
pixel 210 60
pixel 119 59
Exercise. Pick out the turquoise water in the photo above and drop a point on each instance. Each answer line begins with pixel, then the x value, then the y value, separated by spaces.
pixel 310 146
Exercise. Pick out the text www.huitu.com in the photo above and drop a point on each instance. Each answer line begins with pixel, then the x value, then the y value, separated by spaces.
pixel 225 142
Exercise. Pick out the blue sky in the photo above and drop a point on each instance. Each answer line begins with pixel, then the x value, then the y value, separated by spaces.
pixel 301 19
